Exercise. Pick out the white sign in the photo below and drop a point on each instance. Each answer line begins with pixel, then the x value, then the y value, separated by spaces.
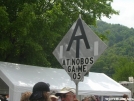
pixel 78 50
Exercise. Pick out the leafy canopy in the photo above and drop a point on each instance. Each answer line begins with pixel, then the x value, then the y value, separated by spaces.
pixel 31 29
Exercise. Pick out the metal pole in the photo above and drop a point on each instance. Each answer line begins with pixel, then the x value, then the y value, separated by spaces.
pixel 76 90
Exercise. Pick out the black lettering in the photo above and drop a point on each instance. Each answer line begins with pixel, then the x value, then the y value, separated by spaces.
pixel 91 60
pixel 80 68
pixel 73 69
pixel 79 76
pixel 84 68
pixel 77 38
pixel 69 68
pixel 77 61
pixel 73 61
pixel 74 75
pixel 86 60
pixel 63 62
pixel 82 61
pixel 67 62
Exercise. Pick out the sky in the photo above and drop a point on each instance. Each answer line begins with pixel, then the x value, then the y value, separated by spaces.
pixel 126 13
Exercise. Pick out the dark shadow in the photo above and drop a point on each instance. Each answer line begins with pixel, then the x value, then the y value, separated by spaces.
pixel 4 89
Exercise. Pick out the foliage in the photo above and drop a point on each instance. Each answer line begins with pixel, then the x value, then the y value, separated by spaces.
pixel 31 29
pixel 123 69
pixel 120 46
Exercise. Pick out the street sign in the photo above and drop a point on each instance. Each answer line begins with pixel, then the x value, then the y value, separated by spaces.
pixel 78 50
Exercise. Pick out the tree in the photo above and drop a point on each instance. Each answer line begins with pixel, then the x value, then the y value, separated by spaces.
pixel 116 49
pixel 123 69
pixel 31 29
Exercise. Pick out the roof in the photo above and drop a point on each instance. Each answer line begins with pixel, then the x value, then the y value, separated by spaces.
pixel 21 78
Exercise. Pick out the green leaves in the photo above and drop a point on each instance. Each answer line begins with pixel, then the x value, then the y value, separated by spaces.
pixel 4 19
pixel 117 61
pixel 31 29
pixel 123 69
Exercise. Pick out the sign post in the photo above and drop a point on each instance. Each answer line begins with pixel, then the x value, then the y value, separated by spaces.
pixel 77 89
pixel 78 51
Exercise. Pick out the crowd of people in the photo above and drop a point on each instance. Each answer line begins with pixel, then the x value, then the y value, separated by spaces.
pixel 41 92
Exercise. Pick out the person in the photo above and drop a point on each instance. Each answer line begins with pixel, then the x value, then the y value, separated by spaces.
pixel 2 98
pixel 53 98
pixel 7 97
pixel 67 94
pixel 25 96
pixel 93 98
pixel 90 98
pixel 125 97
pixel 40 92
pixel 85 99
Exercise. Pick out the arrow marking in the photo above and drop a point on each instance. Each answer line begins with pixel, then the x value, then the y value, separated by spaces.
pixel 78 38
